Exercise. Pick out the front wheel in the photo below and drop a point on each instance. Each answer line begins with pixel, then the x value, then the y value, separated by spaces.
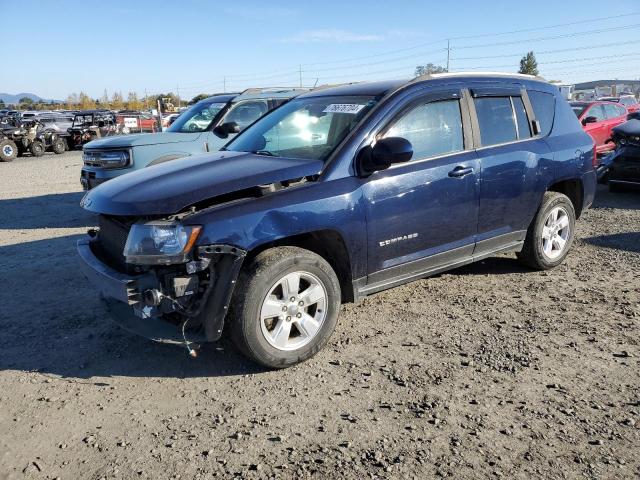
pixel 37 149
pixel 550 234
pixel 8 150
pixel 285 306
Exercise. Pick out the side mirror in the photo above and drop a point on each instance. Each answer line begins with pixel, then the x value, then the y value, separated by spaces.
pixel 386 152
pixel 589 120
pixel 226 129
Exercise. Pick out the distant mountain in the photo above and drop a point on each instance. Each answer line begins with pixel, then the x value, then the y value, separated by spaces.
pixel 8 98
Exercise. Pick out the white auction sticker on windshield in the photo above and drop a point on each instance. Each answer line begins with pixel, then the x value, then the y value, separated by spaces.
pixel 351 108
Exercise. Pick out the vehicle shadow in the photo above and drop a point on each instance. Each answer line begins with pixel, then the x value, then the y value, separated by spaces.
pixel 629 200
pixel 54 323
pixel 629 241
pixel 59 210
pixel 492 266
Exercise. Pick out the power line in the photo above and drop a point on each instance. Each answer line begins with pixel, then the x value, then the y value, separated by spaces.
pixel 526 30
pixel 310 72
pixel 543 52
pixel 621 57
pixel 291 70
pixel 484 35
pixel 553 37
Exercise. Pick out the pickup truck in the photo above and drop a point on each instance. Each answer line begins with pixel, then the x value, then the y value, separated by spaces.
pixel 205 127
pixel 338 194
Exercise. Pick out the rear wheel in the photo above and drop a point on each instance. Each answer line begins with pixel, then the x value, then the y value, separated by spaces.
pixel 285 306
pixel 37 149
pixel 550 234
pixel 8 150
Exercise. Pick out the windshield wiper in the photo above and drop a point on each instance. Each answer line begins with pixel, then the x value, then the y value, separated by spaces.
pixel 266 153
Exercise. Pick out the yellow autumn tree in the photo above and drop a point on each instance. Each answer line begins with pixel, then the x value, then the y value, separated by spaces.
pixel 117 102
pixel 133 103
pixel 86 102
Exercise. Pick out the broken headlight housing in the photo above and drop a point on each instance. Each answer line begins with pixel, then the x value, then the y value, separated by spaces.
pixel 160 243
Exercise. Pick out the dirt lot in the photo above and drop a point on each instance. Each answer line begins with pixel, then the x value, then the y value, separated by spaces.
pixel 488 371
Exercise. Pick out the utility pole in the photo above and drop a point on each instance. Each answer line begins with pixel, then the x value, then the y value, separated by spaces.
pixel 448 53
pixel 178 94
pixel 146 100
pixel 224 84
pixel 300 75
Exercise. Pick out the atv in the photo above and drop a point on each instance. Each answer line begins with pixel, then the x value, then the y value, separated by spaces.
pixel 91 125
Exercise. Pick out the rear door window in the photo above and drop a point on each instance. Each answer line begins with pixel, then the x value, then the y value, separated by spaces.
pixel 544 107
pixel 496 118
pixel 433 128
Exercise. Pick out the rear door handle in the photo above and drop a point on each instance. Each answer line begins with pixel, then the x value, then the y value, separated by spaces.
pixel 460 171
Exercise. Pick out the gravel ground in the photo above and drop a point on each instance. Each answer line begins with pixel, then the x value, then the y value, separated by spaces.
pixel 488 371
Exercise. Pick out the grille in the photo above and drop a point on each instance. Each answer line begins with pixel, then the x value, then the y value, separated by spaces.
pixel 112 238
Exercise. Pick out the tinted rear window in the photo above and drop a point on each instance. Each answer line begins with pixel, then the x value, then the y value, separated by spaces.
pixel 495 116
pixel 544 106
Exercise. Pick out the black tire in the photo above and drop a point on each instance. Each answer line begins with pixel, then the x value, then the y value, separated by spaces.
pixel 532 254
pixel 37 149
pixel 59 146
pixel 8 150
pixel 256 281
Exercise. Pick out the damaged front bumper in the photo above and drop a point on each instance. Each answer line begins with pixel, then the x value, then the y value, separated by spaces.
pixel 129 302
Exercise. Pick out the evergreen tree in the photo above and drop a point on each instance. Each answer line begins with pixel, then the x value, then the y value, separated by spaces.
pixel 528 64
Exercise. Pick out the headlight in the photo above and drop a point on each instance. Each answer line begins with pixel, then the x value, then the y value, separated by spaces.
pixel 106 159
pixel 160 243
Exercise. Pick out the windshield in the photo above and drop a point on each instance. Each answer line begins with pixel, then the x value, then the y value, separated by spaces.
pixel 307 128
pixel 83 120
pixel 579 108
pixel 197 119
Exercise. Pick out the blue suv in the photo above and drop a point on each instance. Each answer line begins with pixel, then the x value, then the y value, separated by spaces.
pixel 338 194
pixel 204 127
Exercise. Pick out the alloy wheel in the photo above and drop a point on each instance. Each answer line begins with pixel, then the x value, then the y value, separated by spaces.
pixel 555 233
pixel 293 311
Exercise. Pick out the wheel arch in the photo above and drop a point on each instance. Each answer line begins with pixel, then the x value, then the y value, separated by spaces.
pixel 327 243
pixel 573 189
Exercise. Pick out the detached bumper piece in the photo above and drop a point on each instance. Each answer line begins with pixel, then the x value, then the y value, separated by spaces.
pixel 127 303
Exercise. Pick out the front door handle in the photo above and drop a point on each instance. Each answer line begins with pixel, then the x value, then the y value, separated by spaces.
pixel 460 171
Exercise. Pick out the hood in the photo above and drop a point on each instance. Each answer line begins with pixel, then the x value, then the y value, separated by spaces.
pixel 140 139
pixel 170 187
pixel 628 129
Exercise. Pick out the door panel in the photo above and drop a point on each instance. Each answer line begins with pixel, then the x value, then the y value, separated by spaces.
pixel 510 181
pixel 418 210
pixel 421 213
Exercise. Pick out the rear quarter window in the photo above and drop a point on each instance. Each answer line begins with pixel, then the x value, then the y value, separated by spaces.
pixel 544 107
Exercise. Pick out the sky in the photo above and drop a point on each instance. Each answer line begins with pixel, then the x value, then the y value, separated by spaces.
pixel 198 46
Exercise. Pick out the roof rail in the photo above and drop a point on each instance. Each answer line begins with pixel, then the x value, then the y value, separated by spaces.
pixel 255 90
pixel 430 76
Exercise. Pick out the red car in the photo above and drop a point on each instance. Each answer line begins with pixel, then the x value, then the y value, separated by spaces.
pixel 133 122
pixel 628 101
pixel 598 119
